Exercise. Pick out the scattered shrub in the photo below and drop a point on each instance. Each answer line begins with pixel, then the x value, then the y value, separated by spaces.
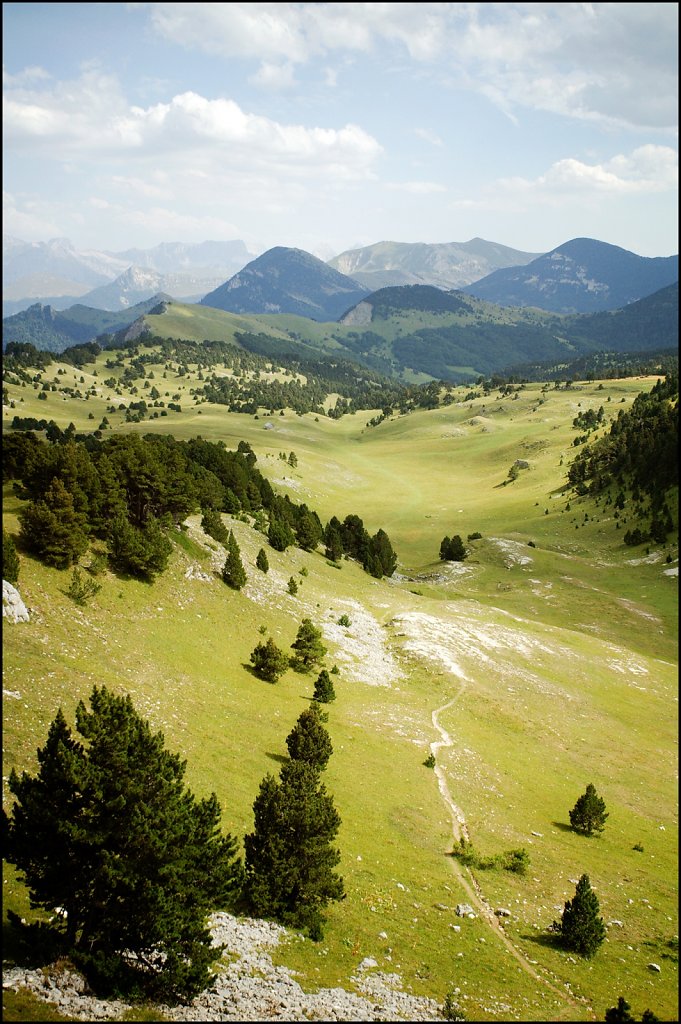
pixel 81 590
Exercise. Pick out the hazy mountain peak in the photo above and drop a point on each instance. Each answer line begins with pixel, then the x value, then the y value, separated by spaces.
pixel 444 265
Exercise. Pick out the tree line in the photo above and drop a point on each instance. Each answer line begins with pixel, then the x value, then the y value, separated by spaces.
pixel 130 491
pixel 638 454
pixel 307 384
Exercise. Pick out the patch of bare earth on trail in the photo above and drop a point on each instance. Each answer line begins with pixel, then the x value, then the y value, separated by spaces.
pixel 515 553
pixel 361 648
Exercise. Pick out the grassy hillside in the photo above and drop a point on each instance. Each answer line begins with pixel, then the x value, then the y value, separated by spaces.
pixel 419 333
pixel 528 670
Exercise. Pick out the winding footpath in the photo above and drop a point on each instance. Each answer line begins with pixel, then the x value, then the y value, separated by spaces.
pixel 466 878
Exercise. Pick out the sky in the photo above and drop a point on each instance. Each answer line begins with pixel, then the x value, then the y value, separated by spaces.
pixel 330 126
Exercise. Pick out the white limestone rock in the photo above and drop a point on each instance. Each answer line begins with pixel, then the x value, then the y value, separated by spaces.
pixel 13 608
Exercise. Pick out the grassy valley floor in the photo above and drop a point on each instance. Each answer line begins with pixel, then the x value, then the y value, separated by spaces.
pixel 528 670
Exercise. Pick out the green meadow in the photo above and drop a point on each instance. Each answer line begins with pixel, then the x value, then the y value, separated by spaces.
pixel 546 660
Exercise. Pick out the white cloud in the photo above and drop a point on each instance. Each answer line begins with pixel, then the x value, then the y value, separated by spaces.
pixel 25 77
pixel 160 222
pixel 427 136
pixel 154 187
pixel 416 187
pixel 609 63
pixel 90 117
pixel 70 114
pixel 647 169
pixel 264 31
pixel 23 217
pixel 274 76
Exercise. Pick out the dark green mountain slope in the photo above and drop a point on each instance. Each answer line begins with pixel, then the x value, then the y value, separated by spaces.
pixel 51 330
pixel 451 336
pixel 652 322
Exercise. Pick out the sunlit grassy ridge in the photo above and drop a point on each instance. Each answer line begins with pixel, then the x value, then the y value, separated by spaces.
pixel 554 665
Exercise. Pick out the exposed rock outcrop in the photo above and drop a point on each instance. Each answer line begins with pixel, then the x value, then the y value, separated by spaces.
pixel 13 608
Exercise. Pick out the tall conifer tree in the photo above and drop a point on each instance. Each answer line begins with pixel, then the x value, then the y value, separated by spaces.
pixel 233 572
pixel 107 831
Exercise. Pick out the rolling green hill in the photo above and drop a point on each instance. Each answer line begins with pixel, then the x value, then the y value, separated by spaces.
pixel 412 333
pixel 546 660
pixel 419 333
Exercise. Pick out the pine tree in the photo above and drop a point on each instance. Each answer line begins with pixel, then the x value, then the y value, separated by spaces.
pixel 619 1014
pixel 308 647
pixel 140 551
pixel 10 559
pixel 333 541
pixel 452 549
pixel 269 662
pixel 53 529
pixel 289 856
pixel 309 741
pixel 280 534
pixel 581 928
pixel 308 531
pixel 589 814
pixel 261 561
pixel 107 830
pixel 212 524
pixel 233 572
pixel 323 688
pixel 383 551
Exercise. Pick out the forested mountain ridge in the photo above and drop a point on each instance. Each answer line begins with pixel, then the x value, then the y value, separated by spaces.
pixel 55 330
pixel 414 332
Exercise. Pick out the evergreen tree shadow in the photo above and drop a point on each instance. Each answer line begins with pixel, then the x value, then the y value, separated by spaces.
pixel 279 758
pixel 563 826
pixel 547 939
pixel 251 671
pixel 31 945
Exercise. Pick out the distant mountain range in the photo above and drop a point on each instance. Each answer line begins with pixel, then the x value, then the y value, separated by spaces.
pixel 138 284
pixel 580 276
pixel 286 280
pixel 56 273
pixel 441 332
pixel 447 265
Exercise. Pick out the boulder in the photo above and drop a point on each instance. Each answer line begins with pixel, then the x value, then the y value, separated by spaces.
pixel 13 608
